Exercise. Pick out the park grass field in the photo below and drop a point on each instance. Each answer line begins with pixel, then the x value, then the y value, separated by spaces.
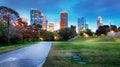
pixel 91 52
pixel 98 39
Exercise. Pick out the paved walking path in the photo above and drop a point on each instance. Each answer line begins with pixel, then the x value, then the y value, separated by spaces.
pixel 32 56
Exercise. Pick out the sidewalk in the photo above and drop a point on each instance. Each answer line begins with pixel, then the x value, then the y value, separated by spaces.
pixel 32 56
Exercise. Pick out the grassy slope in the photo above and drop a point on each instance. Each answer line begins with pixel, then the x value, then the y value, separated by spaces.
pixel 98 39
pixel 98 52
pixel 8 48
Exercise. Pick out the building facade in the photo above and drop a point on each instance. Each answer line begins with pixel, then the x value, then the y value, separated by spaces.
pixel 63 20
pixel 51 27
pixel 45 23
pixel 82 25
pixel 86 26
pixel 24 19
pixel 99 22
pixel 37 17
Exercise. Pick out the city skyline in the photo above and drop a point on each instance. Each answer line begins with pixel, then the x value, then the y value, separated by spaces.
pixel 109 10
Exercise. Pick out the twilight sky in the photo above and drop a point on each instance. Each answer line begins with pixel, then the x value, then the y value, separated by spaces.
pixel 90 9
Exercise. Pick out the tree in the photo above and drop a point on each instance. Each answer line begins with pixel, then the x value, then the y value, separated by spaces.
pixel 46 35
pixel 119 29
pixel 37 28
pixel 66 33
pixel 101 30
pixel 56 35
pixel 15 34
pixel 114 28
pixel 8 15
pixel 3 27
pixel 107 28
pixel 87 31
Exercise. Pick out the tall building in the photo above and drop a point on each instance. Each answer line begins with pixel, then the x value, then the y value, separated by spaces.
pixel 86 26
pixel 63 20
pixel 82 24
pixel 99 22
pixel 51 27
pixel 38 18
pixel 35 17
pixel 24 19
pixel 45 22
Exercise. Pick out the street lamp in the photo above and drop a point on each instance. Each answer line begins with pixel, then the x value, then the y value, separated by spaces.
pixel 86 35
pixel 16 24
pixel 112 32
pixel 41 39
pixel 55 37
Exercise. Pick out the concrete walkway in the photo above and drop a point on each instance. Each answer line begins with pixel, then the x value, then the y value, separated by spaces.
pixel 32 56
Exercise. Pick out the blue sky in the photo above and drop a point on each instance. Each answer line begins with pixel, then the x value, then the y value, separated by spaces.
pixel 90 9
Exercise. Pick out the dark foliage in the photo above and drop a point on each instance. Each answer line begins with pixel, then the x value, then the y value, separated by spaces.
pixel 87 31
pixel 114 28
pixel 101 30
pixel 66 33
pixel 119 29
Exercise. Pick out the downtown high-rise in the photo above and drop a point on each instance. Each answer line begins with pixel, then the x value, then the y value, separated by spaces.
pixel 45 23
pixel 82 25
pixel 37 17
pixel 99 22
pixel 51 27
pixel 63 20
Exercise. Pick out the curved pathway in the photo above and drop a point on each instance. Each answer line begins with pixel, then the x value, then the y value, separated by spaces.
pixel 32 56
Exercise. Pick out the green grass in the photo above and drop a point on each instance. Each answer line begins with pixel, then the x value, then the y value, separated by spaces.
pixel 98 39
pixel 7 48
pixel 98 53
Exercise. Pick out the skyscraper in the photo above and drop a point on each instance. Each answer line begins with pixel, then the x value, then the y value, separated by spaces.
pixel 82 24
pixel 45 22
pixel 35 17
pixel 86 26
pixel 51 27
pixel 99 22
pixel 38 18
pixel 24 19
pixel 63 19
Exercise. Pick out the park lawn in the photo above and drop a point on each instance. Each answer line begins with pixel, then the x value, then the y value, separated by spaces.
pixel 98 39
pixel 91 54
pixel 7 48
